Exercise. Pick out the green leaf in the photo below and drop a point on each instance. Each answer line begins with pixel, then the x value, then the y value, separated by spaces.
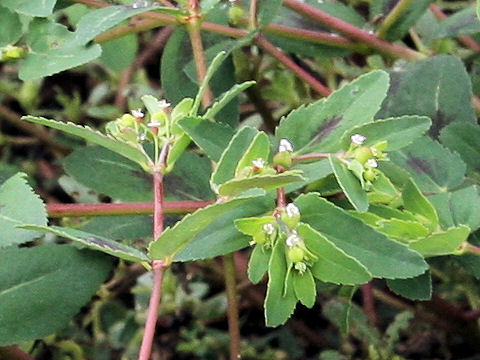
pixel 189 179
pixel 438 87
pixel 342 314
pixel 212 68
pixel 53 49
pixel 258 263
pixel 442 243
pixel 461 207
pixel 267 182
pixel 109 173
pixel 30 209
pixel 416 203
pixel 95 137
pixel 259 148
pixel 211 137
pixel 464 138
pixel 225 98
pixel 11 30
pixel 333 264
pixel 231 156
pixel 417 288
pixel 98 21
pixel 463 22
pixel 398 132
pixel 220 237
pixel 434 168
pixel 382 190
pixel 319 126
pixel 40 8
pixel 43 287
pixel 120 227
pixel 310 172
pixel 175 239
pixel 304 287
pixel 350 184
pixel 402 230
pixel 267 10
pixel 253 225
pixel 93 241
pixel 391 213
pixel 127 45
pixel 381 256
pixel 403 23
pixel 178 73
pixel 279 304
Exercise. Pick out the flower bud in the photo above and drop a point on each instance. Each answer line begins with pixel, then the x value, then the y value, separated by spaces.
pixel 369 174
pixel 362 154
pixel 283 159
pixel 296 254
pixel 291 216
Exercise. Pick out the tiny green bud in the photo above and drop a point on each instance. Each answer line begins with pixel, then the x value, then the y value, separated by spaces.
pixel 362 154
pixel 235 14
pixel 291 216
pixel 296 254
pixel 369 174
pixel 283 159
pixel 12 52
pixel 126 121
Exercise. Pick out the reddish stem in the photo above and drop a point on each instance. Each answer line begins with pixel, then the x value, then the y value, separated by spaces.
pixel 158 266
pixel 369 303
pixel 352 31
pixel 466 40
pixel 312 156
pixel 13 352
pixel 290 64
pixel 134 208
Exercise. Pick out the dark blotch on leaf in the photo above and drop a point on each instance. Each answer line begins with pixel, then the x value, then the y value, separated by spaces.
pixel 439 121
pixel 326 128
pixel 419 165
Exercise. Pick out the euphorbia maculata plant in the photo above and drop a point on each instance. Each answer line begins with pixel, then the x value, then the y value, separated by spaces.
pixel 319 201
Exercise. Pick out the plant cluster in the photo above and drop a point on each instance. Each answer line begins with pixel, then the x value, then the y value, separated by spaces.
pixel 329 195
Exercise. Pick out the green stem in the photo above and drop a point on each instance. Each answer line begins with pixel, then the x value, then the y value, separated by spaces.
pixel 352 31
pixel 392 17
pixel 232 314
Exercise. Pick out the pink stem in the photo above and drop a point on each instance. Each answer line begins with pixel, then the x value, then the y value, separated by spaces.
pixel 158 266
pixel 133 208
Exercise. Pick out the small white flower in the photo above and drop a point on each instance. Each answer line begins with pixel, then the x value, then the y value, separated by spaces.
pixel 268 229
pixel 292 210
pixel 259 163
pixel 285 145
pixel 163 104
pixel 154 124
pixel 142 137
pixel 301 267
pixel 358 139
pixel 372 163
pixel 138 113
pixel 293 240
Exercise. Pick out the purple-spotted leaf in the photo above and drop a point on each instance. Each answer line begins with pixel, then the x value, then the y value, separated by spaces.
pixel 93 241
pixel 318 127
